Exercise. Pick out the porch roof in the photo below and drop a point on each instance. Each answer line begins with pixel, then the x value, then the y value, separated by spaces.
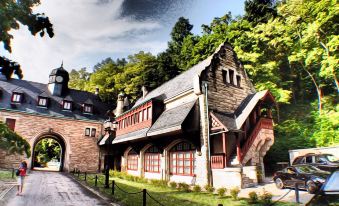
pixel 170 120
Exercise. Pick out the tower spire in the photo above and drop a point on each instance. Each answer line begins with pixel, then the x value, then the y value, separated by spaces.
pixel 62 63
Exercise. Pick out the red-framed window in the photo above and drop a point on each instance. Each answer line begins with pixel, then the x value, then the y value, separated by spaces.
pixel 132 160
pixel 88 108
pixel 42 101
pixel 182 159
pixel 67 105
pixel 16 97
pixel 152 160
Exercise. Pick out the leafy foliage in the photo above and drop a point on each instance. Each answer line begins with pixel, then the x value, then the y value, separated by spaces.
pixel 47 150
pixel 12 142
pixel 11 14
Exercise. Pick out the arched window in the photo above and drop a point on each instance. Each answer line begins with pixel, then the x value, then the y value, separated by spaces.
pixel 152 160
pixel 132 160
pixel 182 159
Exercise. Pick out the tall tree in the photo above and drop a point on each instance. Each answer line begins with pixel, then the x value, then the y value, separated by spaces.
pixel 11 14
pixel 260 11
pixel 78 79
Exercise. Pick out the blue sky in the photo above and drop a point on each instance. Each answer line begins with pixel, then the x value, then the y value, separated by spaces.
pixel 88 31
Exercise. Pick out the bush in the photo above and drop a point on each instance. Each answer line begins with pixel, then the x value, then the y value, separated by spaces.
pixel 196 188
pixel 209 188
pixel 266 198
pixel 234 193
pixel 173 185
pixel 253 197
pixel 160 183
pixel 222 191
pixel 183 187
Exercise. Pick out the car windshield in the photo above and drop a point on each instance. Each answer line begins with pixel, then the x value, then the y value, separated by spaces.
pixel 331 158
pixel 333 183
pixel 306 169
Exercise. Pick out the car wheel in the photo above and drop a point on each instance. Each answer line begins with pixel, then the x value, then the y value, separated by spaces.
pixel 279 183
pixel 311 187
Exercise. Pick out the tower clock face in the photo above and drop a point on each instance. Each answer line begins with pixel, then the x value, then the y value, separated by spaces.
pixel 59 78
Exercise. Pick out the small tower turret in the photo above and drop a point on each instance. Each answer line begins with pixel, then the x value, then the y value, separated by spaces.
pixel 58 81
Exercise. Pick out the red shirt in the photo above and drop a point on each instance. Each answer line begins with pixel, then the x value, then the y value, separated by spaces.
pixel 22 172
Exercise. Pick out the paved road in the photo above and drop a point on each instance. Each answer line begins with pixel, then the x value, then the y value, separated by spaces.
pixel 53 189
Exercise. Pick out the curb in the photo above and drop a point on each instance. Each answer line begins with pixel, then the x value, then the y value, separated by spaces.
pixel 5 192
pixel 109 201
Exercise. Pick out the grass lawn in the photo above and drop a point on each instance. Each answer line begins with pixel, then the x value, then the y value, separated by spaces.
pixel 6 175
pixel 165 195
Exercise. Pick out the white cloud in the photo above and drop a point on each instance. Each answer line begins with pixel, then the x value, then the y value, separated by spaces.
pixel 85 33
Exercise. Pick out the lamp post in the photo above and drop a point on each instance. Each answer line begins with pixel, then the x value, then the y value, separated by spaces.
pixel 110 127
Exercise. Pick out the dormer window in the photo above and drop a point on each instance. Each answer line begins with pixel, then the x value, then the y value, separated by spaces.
pixel 67 105
pixel 17 97
pixel 88 108
pixel 42 101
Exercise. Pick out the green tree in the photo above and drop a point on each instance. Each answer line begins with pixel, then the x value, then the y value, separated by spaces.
pixel 78 79
pixel 260 11
pixel 11 14
pixel 12 143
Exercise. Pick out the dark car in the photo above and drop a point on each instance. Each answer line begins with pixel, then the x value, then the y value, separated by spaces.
pixel 307 177
pixel 326 162
pixel 329 192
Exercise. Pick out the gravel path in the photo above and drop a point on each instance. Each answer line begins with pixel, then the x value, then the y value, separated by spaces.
pixel 53 189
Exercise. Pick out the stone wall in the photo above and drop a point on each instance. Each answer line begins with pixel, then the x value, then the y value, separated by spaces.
pixel 224 96
pixel 81 152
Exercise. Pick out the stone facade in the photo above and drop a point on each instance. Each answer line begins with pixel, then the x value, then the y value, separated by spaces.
pixel 80 151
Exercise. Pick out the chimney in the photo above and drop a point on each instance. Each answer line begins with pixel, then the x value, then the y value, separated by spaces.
pixel 126 103
pixel 144 92
pixel 96 90
pixel 120 105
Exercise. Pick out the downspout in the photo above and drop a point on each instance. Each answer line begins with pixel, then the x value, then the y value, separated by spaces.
pixel 209 170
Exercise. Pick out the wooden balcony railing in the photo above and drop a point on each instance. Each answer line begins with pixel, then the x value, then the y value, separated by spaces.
pixel 263 123
pixel 218 161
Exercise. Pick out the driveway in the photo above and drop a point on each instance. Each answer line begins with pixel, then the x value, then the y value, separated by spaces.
pixel 278 194
pixel 53 188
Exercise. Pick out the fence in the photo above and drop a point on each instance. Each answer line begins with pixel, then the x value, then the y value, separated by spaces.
pixel 12 171
pixel 97 181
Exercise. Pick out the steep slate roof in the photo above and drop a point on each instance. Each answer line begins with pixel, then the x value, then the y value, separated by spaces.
pixel 227 120
pixel 179 84
pixel 31 91
pixel 171 119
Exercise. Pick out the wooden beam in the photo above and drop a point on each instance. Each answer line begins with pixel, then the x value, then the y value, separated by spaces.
pixel 224 146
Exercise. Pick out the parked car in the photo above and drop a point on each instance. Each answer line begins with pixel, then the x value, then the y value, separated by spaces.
pixel 329 192
pixel 326 162
pixel 307 177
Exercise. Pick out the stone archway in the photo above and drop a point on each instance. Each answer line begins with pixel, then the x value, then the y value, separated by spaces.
pixel 59 139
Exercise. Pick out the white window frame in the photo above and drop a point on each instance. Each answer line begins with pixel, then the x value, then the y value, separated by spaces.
pixel 16 97
pixel 88 108
pixel 67 105
pixel 42 102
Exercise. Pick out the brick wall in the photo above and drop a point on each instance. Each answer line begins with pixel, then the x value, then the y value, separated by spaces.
pixel 81 152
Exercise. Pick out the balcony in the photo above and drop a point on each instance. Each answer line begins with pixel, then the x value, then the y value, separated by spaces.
pixel 218 161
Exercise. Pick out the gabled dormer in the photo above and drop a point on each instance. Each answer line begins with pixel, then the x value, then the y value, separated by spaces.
pixel 87 107
pixel 67 103
pixel 43 100
pixel 17 97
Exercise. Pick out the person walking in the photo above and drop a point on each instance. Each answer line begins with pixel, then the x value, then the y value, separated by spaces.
pixel 21 177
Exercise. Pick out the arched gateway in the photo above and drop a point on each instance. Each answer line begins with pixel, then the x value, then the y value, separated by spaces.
pixel 59 139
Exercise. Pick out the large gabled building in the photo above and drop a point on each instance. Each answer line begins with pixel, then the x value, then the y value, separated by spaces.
pixel 207 125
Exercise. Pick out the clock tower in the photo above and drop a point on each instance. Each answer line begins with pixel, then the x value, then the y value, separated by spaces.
pixel 58 81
